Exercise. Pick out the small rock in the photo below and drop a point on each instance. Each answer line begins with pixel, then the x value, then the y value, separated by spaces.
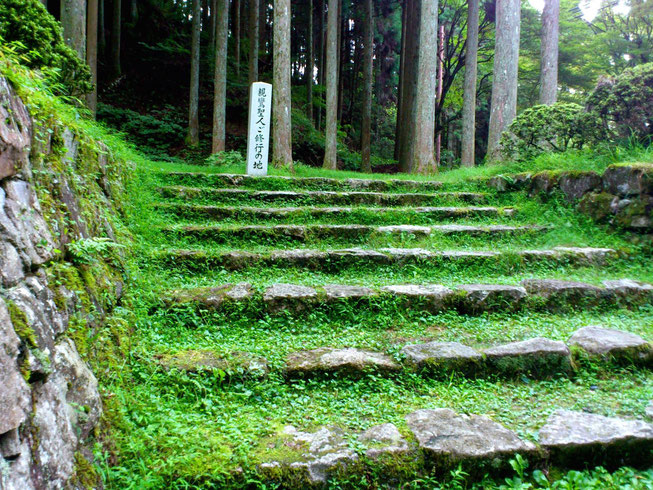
pixel 443 356
pixel 630 291
pixel 649 410
pixel 236 364
pixel 585 439
pixel 289 296
pixel 606 342
pixel 448 438
pixel 349 361
pixel 383 439
pixel 561 294
pixel 240 291
pixel 341 291
pixel 485 297
pixel 628 180
pixel 538 356
pixel 576 184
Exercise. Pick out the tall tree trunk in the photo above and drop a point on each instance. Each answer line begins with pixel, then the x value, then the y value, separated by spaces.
pixel 235 25
pixel 253 41
pixel 469 86
pixel 220 77
pixel 281 107
pixel 91 51
pixel 438 98
pixel 102 39
pixel 400 90
pixel 310 63
pixel 504 84
pixel 343 44
pixel 214 25
pixel 133 11
pixel 73 21
pixel 331 75
pixel 368 74
pixel 549 52
pixel 263 33
pixel 193 137
pixel 423 157
pixel 116 70
pixel 409 88
pixel 321 44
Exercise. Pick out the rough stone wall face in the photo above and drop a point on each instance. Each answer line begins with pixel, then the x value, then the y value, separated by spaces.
pixel 49 398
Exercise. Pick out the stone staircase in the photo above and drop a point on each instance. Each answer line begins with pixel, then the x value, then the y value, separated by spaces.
pixel 454 277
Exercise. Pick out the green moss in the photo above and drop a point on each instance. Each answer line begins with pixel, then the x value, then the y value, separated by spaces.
pixel 21 324
pixel 85 474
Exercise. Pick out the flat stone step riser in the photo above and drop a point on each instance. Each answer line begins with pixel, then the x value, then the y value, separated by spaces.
pixel 327 215
pixel 294 183
pixel 343 234
pixel 334 262
pixel 217 196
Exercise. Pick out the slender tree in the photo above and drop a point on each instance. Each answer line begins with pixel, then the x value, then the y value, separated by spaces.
pixel 236 33
pixel 281 107
pixel 549 52
pixel 402 69
pixel 310 63
pixel 102 40
pixel 253 41
pixel 331 75
pixel 91 51
pixel 423 155
pixel 220 77
pixel 368 75
pixel 469 86
pixel 503 107
pixel 73 21
pixel 193 137
pixel 408 103
pixel 116 69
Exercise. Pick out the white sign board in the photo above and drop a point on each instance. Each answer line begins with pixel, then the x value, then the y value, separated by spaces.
pixel 258 134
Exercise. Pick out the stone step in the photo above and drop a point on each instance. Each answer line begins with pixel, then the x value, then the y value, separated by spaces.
pixel 466 298
pixel 440 440
pixel 301 233
pixel 320 197
pixel 198 179
pixel 327 260
pixel 351 214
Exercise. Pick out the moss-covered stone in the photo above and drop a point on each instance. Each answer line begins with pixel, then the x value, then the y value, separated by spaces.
pixel 21 324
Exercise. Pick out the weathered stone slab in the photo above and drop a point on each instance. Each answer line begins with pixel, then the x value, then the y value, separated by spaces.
pixel 448 439
pixel 485 297
pixel 406 254
pixel 628 180
pixel 235 364
pixel 346 361
pixel 537 357
pixel 240 291
pixel 630 291
pixel 307 459
pixel 575 185
pixel 210 297
pixel 649 410
pixel 616 344
pixel 15 132
pixel 560 294
pixel 282 296
pixel 383 440
pixel 443 357
pixel 342 291
pixel 591 255
pixel 405 229
pixel 439 297
pixel 585 439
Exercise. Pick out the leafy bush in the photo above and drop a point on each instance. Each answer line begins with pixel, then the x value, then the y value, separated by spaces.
pixel 156 132
pixel 553 128
pixel 227 158
pixel 625 103
pixel 37 36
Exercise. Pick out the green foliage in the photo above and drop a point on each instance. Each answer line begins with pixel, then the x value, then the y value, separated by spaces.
pixel 625 103
pixel 89 250
pixel 229 159
pixel 154 133
pixel 38 36
pixel 553 128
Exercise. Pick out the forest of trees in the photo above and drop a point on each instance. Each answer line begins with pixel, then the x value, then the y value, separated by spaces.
pixel 389 85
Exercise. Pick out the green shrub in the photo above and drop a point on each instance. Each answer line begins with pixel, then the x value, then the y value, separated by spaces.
pixel 37 36
pixel 625 104
pixel 553 128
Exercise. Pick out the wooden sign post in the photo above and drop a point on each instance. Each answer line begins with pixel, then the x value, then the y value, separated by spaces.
pixel 258 134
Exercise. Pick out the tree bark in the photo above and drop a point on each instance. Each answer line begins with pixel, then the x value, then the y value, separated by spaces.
pixel 321 45
pixel 331 75
pixel 220 77
pixel 368 75
pixel 91 51
pixel 281 107
pixel 193 137
pixel 116 70
pixel 310 63
pixel 549 52
pixel 402 69
pixel 236 33
pixel 423 156
pixel 407 128
pixel 503 107
pixel 73 21
pixel 102 40
pixel 253 41
pixel 343 44
pixel 469 86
